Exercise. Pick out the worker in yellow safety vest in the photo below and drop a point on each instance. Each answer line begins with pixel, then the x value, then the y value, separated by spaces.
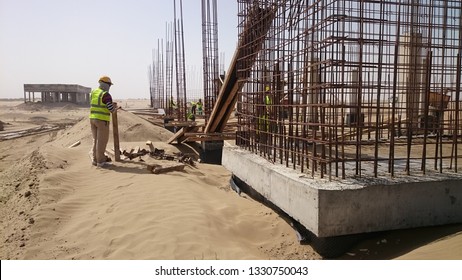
pixel 193 107
pixel 101 107
pixel 199 107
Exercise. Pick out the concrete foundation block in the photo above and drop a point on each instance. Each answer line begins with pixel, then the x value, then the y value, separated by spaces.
pixel 351 206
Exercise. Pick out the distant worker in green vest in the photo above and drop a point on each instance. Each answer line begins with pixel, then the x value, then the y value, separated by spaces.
pixel 263 120
pixel 199 107
pixel 172 103
pixel 171 109
pixel 101 107
pixel 191 114
pixel 193 107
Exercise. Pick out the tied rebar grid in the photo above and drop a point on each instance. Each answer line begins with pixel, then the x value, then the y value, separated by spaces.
pixel 344 88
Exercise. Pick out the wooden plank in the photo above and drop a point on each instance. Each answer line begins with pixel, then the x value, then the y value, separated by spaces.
pixel 151 147
pixel 8 135
pixel 179 136
pixel 228 94
pixel 75 144
pixel 175 136
pixel 157 115
pixel 228 109
pixel 230 134
pixel 157 168
pixel 208 138
pixel 223 95
pixel 115 132
pixel 201 137
pixel 180 124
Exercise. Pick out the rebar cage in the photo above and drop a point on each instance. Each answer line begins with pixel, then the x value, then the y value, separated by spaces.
pixel 344 88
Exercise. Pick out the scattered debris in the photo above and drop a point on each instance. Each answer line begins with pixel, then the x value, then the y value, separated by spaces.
pixel 30 131
pixel 187 159
pixel 157 154
pixel 75 144
pixel 131 154
pixel 157 168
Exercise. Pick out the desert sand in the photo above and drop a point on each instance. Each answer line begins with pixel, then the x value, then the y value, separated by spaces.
pixel 55 205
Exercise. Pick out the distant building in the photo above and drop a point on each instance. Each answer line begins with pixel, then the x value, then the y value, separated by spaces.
pixel 54 93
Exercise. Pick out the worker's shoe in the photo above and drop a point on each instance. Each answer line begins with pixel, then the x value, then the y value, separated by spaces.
pixel 103 165
pixel 106 159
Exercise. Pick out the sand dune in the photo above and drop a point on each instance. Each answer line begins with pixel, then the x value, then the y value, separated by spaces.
pixel 56 205
pixel 77 211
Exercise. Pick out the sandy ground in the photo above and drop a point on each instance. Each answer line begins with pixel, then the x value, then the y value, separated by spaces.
pixel 55 205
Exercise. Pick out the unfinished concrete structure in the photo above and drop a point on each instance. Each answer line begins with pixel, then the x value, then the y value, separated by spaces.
pixel 54 93
pixel 350 112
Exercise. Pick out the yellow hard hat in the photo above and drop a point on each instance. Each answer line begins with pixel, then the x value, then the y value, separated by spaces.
pixel 106 80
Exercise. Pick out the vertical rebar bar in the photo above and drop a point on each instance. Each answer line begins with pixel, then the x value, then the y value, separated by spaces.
pixel 180 64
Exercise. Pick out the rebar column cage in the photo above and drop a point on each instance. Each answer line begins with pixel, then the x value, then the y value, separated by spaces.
pixel 180 64
pixel 156 77
pixel 211 78
pixel 169 74
pixel 160 73
pixel 345 88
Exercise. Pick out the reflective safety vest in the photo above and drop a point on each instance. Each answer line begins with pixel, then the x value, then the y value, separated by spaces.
pixel 98 109
pixel 268 100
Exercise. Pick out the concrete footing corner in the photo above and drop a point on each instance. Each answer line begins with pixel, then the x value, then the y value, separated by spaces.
pixel 352 206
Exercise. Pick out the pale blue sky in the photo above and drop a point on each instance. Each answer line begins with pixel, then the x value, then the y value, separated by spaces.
pixel 75 42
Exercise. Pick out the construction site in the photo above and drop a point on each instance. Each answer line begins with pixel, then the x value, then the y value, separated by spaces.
pixel 348 112
pixel 333 132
